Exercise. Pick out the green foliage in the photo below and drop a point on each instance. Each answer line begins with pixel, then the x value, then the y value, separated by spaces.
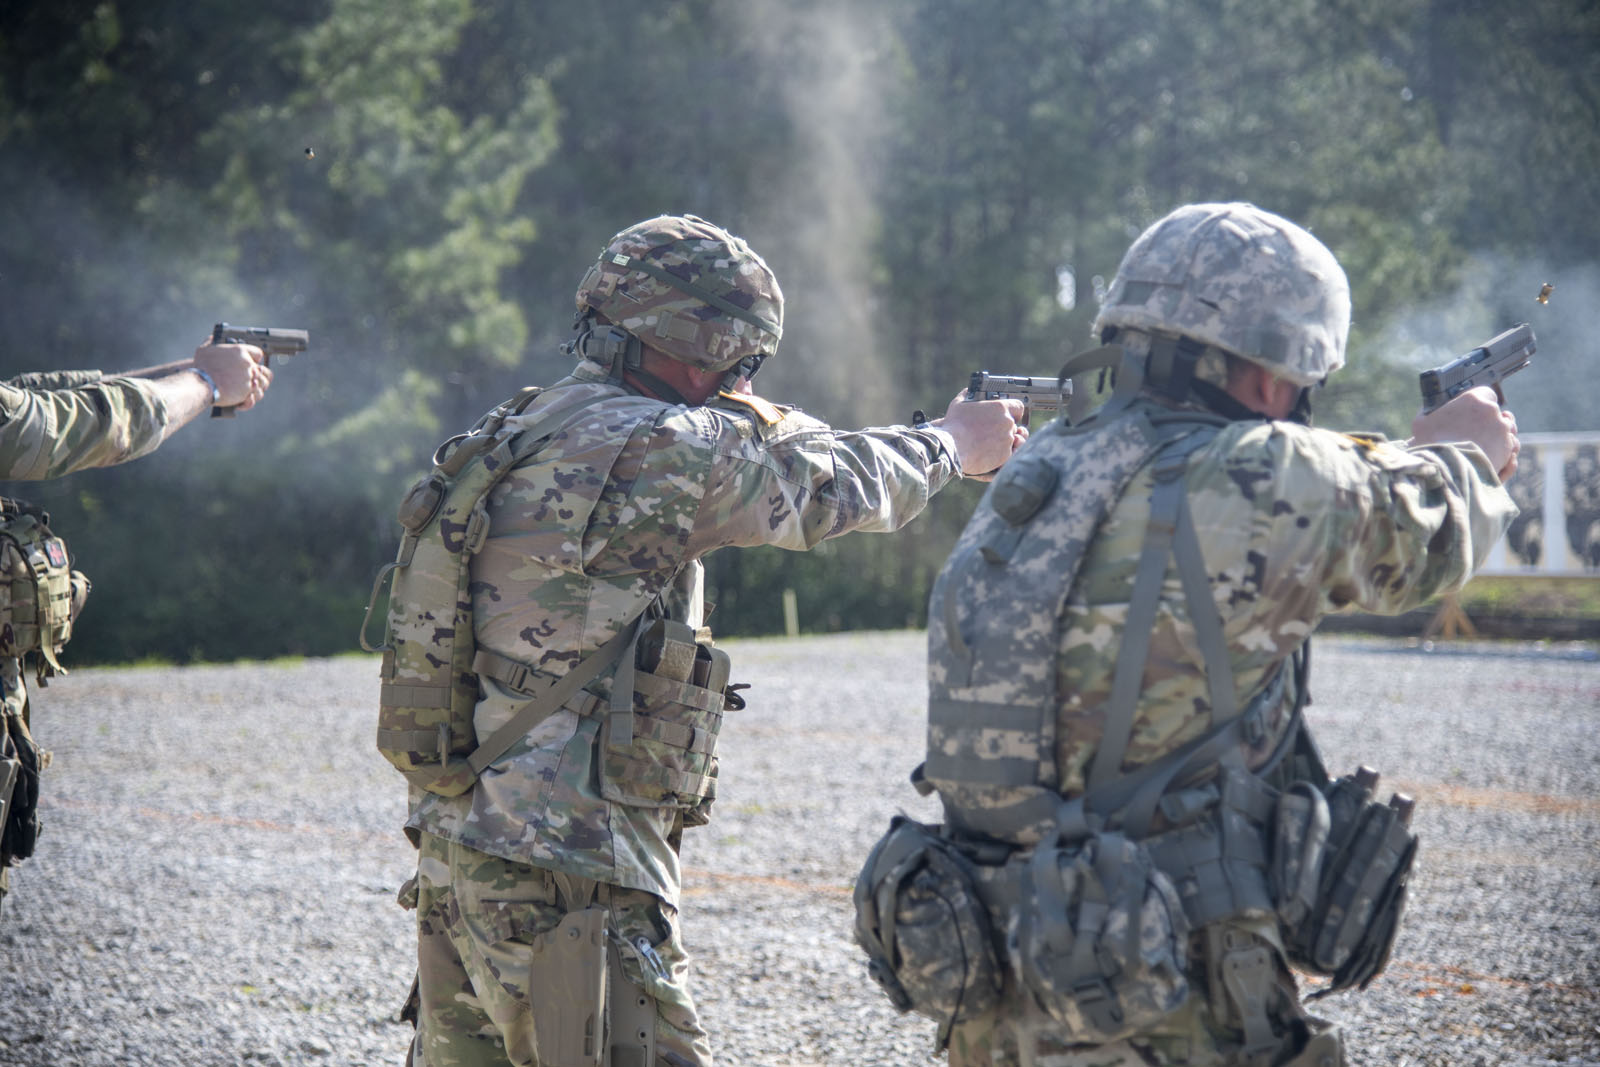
pixel 940 186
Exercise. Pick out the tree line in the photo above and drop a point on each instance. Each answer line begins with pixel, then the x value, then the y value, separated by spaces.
pixel 940 185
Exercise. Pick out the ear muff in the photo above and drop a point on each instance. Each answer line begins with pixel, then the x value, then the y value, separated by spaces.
pixel 610 346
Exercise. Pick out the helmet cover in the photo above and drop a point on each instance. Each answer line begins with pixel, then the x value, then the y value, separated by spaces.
pixel 688 288
pixel 1242 279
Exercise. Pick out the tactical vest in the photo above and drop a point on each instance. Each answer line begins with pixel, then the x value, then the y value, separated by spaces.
pixel 669 686
pixel 1090 900
pixel 996 612
pixel 1279 838
pixel 40 597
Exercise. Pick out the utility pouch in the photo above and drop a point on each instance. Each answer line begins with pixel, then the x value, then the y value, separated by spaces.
pixel 925 930
pixel 40 594
pixel 569 970
pixel 1300 841
pixel 1102 938
pixel 663 753
pixel 1361 887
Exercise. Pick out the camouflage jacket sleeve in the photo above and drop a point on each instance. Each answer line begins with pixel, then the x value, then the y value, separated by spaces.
pixel 54 424
pixel 1357 521
pixel 797 482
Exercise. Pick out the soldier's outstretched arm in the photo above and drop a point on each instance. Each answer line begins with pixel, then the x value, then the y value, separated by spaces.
pixel 53 424
pixel 809 482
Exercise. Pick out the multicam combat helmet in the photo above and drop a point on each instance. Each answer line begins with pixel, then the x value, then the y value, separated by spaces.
pixel 1242 279
pixel 689 288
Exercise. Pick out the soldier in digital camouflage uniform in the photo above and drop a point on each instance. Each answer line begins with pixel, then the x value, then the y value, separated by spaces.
pixel 1232 313
pixel 665 456
pixel 55 423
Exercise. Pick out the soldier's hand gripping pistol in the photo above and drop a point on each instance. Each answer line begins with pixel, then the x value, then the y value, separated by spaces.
pixel 1049 395
pixel 1488 364
pixel 272 340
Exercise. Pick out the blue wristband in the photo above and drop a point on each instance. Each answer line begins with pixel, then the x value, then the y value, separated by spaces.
pixel 216 394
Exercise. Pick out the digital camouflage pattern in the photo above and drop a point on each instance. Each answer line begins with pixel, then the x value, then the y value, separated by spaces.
pixel 616 512
pixel 1295 523
pixel 1191 1036
pixel 992 625
pixel 1240 278
pixel 660 278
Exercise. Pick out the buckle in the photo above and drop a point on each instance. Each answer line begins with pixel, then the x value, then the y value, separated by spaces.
pixel 1098 1002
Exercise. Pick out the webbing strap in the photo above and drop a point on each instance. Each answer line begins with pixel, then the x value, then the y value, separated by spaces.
pixel 1152 569
pixel 1170 532
pixel 545 704
pixel 1203 615
pixel 699 292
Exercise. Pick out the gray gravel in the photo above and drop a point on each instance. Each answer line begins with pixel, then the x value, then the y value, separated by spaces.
pixel 215 882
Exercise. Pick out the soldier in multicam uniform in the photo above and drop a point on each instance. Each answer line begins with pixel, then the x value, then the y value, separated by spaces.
pixel 663 454
pixel 55 423
pixel 1073 649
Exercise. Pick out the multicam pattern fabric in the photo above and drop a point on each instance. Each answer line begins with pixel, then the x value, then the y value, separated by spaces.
pixel 477 919
pixel 659 280
pixel 1242 279
pixel 55 424
pixel 1296 523
pixel 614 514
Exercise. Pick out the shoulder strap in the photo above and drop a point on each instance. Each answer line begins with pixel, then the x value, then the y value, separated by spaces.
pixel 1170 523
pixel 546 703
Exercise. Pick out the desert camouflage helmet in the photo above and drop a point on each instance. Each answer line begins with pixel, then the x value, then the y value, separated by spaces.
pixel 689 288
pixel 1242 279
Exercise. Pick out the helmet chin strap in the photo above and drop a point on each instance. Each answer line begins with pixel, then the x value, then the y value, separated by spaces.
pixel 1302 406
pixel 1170 371
pixel 622 355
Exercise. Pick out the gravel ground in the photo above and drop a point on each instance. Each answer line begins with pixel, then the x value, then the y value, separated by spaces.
pixel 215 883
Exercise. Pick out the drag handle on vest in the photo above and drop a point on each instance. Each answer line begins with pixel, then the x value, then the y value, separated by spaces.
pixel 272 340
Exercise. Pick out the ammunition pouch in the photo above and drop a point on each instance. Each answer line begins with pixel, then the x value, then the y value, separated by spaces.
pixel 1330 861
pixel 660 751
pixel 1102 938
pixel 925 930
pixel 40 594
pixel 1346 928
pixel 1217 849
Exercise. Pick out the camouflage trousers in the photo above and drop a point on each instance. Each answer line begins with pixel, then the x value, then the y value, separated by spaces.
pixel 477 918
pixel 1201 1033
